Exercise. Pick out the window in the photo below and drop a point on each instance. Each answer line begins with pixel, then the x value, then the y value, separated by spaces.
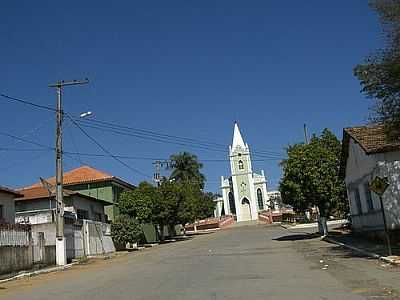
pixel 368 197
pixel 232 207
pixel 241 167
pixel 1 213
pixel 82 214
pixel 358 201
pixel 260 199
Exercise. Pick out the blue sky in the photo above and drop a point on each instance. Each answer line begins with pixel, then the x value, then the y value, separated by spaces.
pixel 185 68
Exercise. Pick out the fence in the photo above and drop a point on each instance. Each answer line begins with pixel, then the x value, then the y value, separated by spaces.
pixel 14 235
pixel 15 248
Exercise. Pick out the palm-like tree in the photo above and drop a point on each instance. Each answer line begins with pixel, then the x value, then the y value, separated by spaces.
pixel 186 167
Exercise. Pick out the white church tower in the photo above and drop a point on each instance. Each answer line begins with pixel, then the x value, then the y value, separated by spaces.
pixel 244 193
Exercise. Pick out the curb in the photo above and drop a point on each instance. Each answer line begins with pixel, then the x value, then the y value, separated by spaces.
pixel 38 272
pixel 367 253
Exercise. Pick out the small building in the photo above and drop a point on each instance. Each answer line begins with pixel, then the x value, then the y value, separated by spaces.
pixel 36 206
pixel 219 207
pixel 97 184
pixel 275 200
pixel 366 153
pixel 7 206
pixel 244 193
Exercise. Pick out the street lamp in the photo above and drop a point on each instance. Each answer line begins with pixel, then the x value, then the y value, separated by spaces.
pixel 85 114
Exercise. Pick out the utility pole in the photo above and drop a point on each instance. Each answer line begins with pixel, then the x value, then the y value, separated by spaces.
pixel 157 174
pixel 61 251
pixel 305 134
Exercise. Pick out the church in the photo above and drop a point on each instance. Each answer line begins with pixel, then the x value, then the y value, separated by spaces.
pixel 244 193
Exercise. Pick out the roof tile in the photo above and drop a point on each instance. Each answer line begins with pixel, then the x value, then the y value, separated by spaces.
pixel 372 139
pixel 83 174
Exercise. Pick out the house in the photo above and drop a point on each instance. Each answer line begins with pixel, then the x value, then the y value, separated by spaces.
pixel 36 206
pixel 97 184
pixel 7 207
pixel 366 153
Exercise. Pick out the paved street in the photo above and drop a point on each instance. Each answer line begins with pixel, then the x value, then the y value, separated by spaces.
pixel 249 262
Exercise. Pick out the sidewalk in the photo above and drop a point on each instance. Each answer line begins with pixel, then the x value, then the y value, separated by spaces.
pixel 375 249
pixel 315 224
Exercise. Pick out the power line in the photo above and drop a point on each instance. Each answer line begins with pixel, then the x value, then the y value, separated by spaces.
pixel 148 134
pixel 21 149
pixel 163 140
pixel 152 158
pixel 27 102
pixel 155 134
pixel 105 149
pixel 25 140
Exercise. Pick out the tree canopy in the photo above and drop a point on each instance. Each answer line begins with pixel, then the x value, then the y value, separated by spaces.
pixel 379 75
pixel 169 204
pixel 311 175
pixel 186 167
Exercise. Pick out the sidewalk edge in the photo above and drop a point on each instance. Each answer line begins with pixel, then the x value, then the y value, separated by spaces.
pixel 38 272
pixel 367 253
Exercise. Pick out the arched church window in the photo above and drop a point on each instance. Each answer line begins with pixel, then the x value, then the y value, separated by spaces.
pixel 260 199
pixel 241 166
pixel 232 207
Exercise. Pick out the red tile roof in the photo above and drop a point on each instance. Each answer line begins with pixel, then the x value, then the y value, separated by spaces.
pixel 9 191
pixel 39 193
pixel 35 193
pixel 372 139
pixel 85 174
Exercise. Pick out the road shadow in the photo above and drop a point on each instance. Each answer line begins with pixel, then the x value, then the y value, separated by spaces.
pixel 297 237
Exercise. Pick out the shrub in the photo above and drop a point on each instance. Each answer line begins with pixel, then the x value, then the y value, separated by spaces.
pixel 126 230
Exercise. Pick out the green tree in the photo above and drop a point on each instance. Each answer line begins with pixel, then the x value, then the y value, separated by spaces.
pixel 186 167
pixel 311 176
pixel 125 230
pixel 379 75
pixel 165 211
pixel 139 203
pixel 194 204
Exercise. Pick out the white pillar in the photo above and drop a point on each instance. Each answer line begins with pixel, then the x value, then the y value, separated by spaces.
pixel 61 252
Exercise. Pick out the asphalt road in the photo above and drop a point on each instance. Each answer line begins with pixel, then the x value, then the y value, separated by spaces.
pixel 249 262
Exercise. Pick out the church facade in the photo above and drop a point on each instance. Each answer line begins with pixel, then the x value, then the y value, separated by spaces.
pixel 244 193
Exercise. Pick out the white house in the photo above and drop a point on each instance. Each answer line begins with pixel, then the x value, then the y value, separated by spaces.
pixel 365 154
pixel 244 193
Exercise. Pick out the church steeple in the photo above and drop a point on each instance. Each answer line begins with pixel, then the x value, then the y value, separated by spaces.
pixel 237 138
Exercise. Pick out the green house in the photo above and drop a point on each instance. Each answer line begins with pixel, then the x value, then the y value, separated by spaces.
pixel 97 184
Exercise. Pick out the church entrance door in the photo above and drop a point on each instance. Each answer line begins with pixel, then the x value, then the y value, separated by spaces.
pixel 245 210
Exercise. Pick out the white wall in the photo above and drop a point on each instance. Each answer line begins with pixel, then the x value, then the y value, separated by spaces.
pixel 360 170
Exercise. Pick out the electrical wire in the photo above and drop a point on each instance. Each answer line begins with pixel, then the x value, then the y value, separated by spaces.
pixel 149 134
pixel 163 140
pixel 27 102
pixel 166 137
pixel 105 149
pixel 150 158
pixel 26 141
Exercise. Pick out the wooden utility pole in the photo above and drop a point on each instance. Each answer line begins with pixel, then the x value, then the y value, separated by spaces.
pixel 61 254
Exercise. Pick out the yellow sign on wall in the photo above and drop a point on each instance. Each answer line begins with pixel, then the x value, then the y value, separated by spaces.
pixel 379 185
